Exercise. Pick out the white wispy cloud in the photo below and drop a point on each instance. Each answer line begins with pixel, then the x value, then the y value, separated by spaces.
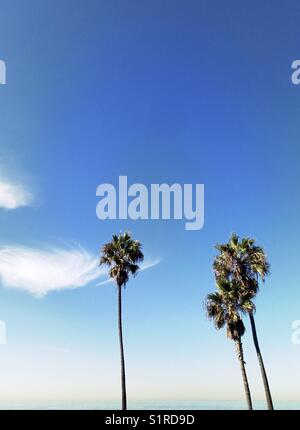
pixel 14 195
pixel 147 264
pixel 39 271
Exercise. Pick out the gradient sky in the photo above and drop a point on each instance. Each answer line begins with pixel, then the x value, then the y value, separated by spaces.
pixel 181 91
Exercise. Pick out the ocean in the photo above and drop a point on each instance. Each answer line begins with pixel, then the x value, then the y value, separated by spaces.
pixel 144 405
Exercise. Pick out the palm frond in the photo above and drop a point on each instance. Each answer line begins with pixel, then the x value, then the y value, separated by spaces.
pixel 122 255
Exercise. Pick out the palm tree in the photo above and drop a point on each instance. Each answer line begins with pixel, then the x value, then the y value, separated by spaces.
pixel 122 256
pixel 246 263
pixel 222 308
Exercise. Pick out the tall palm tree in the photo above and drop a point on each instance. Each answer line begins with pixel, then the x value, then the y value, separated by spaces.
pixel 222 308
pixel 246 263
pixel 122 256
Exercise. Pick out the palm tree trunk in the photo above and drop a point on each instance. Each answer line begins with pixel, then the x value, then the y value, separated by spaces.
pixel 240 354
pixel 261 363
pixel 123 380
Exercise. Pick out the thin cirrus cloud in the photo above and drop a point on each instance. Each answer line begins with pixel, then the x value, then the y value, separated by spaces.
pixel 40 271
pixel 13 196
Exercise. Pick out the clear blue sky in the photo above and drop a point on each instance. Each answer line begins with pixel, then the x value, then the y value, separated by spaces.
pixel 181 91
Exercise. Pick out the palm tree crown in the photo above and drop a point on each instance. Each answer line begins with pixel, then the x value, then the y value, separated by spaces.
pixel 224 307
pixel 122 256
pixel 242 260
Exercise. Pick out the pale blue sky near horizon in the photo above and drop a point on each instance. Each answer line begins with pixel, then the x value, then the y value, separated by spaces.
pixel 188 92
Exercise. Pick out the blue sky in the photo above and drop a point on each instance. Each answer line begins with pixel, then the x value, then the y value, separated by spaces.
pixel 188 92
